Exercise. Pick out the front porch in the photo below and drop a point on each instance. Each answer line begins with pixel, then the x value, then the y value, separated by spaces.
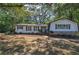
pixel 30 28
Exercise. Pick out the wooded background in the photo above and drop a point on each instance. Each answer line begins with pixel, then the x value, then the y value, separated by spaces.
pixel 38 13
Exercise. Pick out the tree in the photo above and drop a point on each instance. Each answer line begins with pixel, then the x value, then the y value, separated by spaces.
pixel 10 15
pixel 41 13
pixel 66 10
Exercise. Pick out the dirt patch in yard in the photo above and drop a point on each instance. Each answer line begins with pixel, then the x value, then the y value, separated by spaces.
pixel 36 45
pixel 27 37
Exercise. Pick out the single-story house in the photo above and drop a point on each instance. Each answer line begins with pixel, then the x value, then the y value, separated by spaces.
pixel 63 26
pixel 31 28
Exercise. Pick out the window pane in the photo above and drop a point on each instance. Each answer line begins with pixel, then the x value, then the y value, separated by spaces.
pixel 19 27
pixel 28 28
pixel 43 28
pixel 36 28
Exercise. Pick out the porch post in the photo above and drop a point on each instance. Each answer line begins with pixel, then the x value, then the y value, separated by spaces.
pixel 32 27
pixel 24 28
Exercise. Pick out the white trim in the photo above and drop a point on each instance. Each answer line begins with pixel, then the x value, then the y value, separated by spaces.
pixel 32 28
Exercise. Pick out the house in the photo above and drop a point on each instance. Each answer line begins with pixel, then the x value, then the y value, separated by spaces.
pixel 63 26
pixel 31 28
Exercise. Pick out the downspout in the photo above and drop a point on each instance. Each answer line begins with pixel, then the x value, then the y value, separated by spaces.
pixel 48 31
pixel 48 27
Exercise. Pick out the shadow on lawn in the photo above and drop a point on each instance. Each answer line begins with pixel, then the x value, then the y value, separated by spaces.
pixel 74 37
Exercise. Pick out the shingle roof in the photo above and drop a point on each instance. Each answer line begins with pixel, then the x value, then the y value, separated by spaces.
pixel 62 19
pixel 33 24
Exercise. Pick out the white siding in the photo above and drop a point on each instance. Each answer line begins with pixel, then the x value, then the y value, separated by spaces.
pixel 29 31
pixel 73 26
pixel 24 30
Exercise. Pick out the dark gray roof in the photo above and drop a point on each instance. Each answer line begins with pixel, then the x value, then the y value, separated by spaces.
pixel 33 24
pixel 62 19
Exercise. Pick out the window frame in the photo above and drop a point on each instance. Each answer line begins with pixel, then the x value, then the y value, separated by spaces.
pixel 62 26
pixel 28 28
pixel 36 28
pixel 19 27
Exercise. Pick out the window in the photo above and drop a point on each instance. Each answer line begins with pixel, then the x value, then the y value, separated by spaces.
pixel 43 28
pixel 19 27
pixel 36 28
pixel 62 26
pixel 28 28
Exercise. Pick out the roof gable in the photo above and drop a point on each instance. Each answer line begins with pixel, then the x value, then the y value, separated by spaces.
pixel 62 19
